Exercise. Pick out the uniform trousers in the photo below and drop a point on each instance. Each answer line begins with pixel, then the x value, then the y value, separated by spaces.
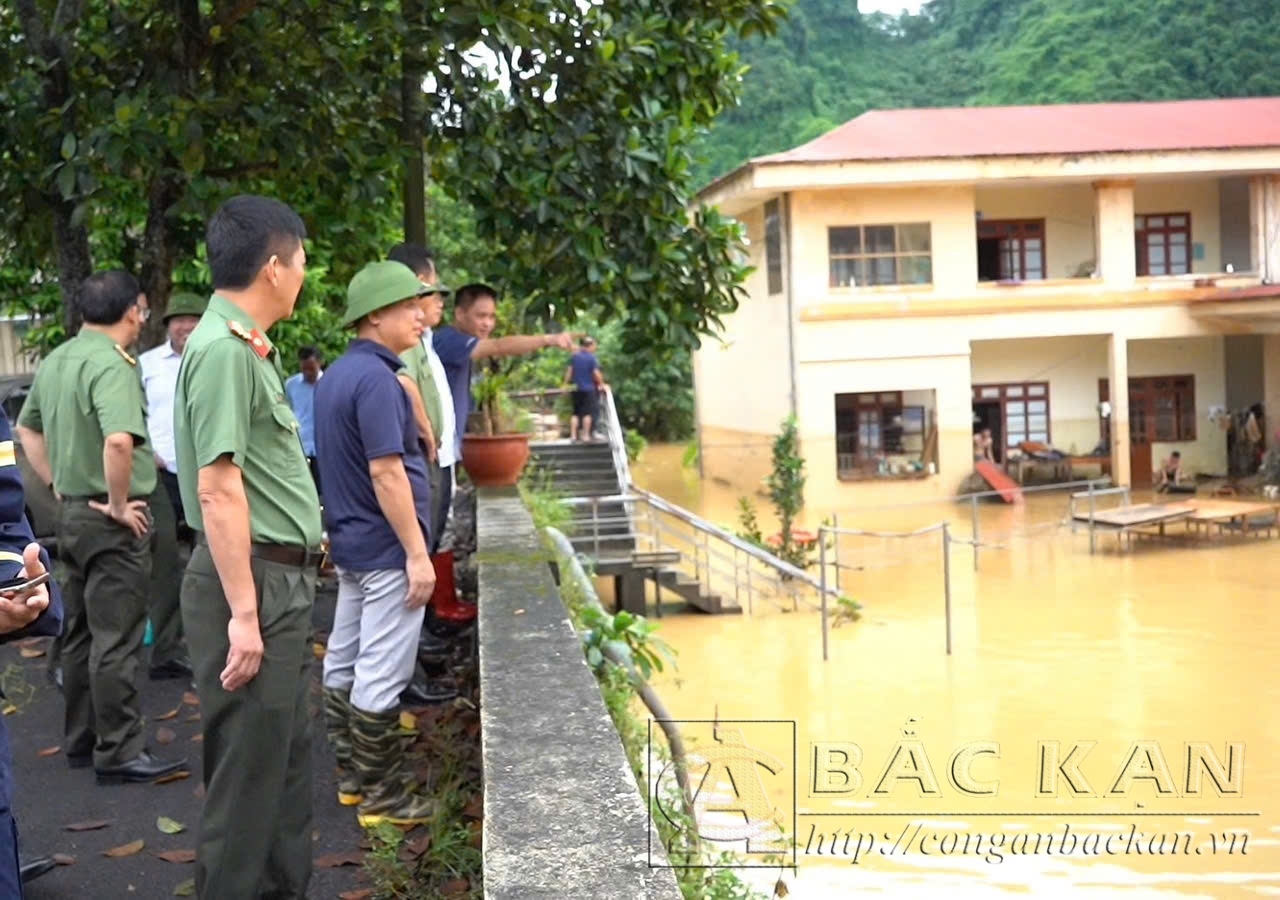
pixel 373 646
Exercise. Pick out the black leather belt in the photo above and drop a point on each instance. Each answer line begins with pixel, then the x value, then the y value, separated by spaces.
pixel 284 554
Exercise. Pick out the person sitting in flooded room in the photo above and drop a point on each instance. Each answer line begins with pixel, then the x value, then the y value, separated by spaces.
pixel 1170 474
pixel 982 444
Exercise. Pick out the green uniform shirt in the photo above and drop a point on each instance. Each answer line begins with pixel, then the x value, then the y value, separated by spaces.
pixel 230 401
pixel 417 367
pixel 84 390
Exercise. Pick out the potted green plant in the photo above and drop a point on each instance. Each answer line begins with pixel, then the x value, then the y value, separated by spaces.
pixel 495 448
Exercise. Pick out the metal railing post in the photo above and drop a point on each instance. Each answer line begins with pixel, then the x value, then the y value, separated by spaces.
pixel 737 601
pixel 822 576
pixel 595 525
pixel 835 547
pixel 974 517
pixel 750 593
pixel 1093 532
pixel 946 578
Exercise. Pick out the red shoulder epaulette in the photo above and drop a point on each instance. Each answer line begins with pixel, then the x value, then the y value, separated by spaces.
pixel 253 338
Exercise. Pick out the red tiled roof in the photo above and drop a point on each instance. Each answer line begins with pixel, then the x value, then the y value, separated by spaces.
pixel 1046 130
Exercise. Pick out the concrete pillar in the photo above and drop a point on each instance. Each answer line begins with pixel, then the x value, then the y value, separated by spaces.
pixel 1264 221
pixel 1117 263
pixel 1271 387
pixel 1118 379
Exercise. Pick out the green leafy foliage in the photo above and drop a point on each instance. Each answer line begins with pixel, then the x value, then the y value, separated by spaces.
pixel 636 444
pixel 786 490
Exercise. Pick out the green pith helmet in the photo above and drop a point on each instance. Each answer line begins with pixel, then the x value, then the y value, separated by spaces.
pixel 185 305
pixel 379 285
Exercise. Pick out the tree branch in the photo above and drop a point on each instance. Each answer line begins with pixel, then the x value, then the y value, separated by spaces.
pixel 33 26
pixel 230 15
pixel 67 14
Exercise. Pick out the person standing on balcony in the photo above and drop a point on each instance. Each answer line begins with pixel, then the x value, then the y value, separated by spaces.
pixel 378 512
pixel 159 367
pixel 585 376
pixel 301 391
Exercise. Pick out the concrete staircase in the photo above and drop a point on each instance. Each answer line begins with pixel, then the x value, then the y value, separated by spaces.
pixel 605 531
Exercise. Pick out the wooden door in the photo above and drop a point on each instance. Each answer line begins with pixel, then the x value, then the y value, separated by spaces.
pixel 1141 416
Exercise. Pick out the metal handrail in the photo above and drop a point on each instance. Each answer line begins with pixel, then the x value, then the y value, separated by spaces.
pixel 617 440
pixel 736 542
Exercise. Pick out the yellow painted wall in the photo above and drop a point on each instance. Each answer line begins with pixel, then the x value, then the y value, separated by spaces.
pixel 948 210
pixel 1068 211
pixel 1071 365
pixel 1204 358
pixel 1200 198
pixel 740 459
pixel 742 380
pixel 947 377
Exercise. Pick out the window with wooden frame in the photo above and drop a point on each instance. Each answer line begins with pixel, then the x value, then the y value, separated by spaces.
pixel 862 255
pixel 1024 411
pixel 773 246
pixel 1162 243
pixel 1011 250
pixel 873 427
pixel 1161 408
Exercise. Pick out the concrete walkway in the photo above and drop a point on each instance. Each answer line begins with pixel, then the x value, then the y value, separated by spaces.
pixel 50 796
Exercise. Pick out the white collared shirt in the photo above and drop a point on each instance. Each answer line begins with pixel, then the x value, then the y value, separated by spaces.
pixel 159 367
pixel 447 452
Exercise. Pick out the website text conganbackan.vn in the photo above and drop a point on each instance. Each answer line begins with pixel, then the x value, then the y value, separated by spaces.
pixel 920 839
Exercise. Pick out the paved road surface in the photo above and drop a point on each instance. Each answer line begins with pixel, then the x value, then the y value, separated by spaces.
pixel 50 796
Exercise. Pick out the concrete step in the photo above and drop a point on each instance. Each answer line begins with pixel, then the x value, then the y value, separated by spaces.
pixel 690 589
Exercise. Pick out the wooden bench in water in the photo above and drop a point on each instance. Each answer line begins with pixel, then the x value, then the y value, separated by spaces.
pixel 1249 518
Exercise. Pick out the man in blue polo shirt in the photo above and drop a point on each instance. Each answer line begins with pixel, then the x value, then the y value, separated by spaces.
pixel 475 314
pixel 378 506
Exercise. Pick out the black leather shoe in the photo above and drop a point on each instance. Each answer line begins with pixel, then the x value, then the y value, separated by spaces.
pixel 143 767
pixel 426 691
pixel 80 760
pixel 33 868
pixel 178 667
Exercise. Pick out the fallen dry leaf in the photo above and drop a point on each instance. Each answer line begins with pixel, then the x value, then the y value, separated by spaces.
pixel 169 826
pixel 171 714
pixel 165 736
pixel 418 847
pixel 362 894
pixel 176 856
pixel 474 809
pixel 318 650
pixel 408 721
pixel 334 860
pixel 88 826
pixel 32 642
pixel 519 612
pixel 455 887
pixel 50 751
pixel 780 889
pixel 31 652
pixel 174 776
pixel 197 738
pixel 128 849
pixel 63 859
pixel 9 710
pixel 190 699
pixel 185 888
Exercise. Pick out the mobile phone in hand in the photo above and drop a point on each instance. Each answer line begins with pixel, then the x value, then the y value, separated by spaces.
pixel 19 585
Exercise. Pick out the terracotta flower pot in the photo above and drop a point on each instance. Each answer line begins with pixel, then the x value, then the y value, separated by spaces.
pixel 495 460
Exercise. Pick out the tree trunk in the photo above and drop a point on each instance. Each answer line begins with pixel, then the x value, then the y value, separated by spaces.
pixel 412 115
pixel 159 251
pixel 75 263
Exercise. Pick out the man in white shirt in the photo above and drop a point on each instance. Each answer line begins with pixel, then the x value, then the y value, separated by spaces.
pixel 159 367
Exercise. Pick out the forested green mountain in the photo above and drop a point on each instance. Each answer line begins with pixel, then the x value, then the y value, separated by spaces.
pixel 830 64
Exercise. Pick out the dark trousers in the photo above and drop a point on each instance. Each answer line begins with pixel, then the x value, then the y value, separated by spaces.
pixel 10 872
pixel 441 496
pixel 164 609
pixel 104 598
pixel 255 830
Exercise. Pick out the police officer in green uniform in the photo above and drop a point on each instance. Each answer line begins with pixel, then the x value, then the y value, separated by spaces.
pixel 250 585
pixel 84 429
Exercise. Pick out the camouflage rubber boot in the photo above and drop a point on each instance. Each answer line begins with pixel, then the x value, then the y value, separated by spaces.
pixel 377 752
pixel 337 717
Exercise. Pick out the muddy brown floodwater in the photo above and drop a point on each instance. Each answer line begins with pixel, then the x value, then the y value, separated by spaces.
pixel 1171 644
